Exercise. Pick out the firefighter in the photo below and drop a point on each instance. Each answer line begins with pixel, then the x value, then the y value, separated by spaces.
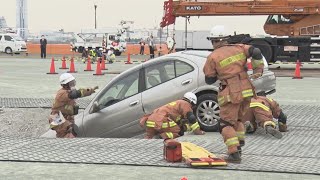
pixel 64 102
pixel 227 63
pixel 165 120
pixel 261 113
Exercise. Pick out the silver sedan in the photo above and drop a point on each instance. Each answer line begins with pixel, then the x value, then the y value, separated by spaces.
pixel 115 111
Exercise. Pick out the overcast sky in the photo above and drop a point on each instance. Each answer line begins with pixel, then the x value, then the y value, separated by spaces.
pixel 74 15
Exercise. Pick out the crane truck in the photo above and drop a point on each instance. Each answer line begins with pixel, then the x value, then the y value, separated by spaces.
pixel 293 25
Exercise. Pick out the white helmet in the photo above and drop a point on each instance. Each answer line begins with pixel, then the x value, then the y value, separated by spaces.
pixel 217 32
pixel 65 78
pixel 191 97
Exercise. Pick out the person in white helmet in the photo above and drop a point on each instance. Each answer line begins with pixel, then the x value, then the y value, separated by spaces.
pixel 227 63
pixel 65 105
pixel 165 120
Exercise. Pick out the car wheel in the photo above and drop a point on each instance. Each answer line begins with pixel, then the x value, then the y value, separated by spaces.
pixel 8 50
pixel 207 112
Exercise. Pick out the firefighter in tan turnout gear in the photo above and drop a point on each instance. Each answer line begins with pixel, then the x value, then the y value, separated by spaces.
pixel 227 63
pixel 165 120
pixel 261 113
pixel 65 105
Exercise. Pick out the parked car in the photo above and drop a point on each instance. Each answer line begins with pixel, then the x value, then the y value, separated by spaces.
pixel 115 111
pixel 12 43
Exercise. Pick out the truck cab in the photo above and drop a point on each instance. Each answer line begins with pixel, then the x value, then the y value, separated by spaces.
pixel 117 42
pixel 12 43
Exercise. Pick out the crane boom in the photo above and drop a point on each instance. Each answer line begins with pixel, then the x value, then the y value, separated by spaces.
pixel 245 7
pixel 296 24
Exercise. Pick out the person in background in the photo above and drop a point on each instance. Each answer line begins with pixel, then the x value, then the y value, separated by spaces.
pixel 142 44
pixel 110 55
pixel 151 47
pixel 43 47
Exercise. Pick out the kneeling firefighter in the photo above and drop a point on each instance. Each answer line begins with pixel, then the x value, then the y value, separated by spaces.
pixel 165 120
pixel 65 105
pixel 261 114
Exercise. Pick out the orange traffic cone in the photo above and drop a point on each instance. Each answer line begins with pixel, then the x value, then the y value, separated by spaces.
pixel 64 65
pixel 52 67
pixel 103 64
pixel 297 74
pixel 98 69
pixel 88 65
pixel 72 69
pixel 128 59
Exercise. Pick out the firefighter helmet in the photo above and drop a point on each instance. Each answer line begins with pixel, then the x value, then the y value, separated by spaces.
pixel 218 33
pixel 65 78
pixel 191 97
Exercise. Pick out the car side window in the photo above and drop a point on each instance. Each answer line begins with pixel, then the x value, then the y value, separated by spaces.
pixel 0 38
pixel 159 73
pixel 7 38
pixel 120 90
pixel 182 68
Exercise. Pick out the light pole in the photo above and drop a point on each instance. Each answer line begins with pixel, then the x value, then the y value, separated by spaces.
pixel 95 16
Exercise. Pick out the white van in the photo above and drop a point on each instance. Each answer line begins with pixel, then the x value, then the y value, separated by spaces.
pixel 12 43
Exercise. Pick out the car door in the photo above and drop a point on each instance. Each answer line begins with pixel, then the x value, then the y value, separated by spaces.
pixel 167 81
pixel 9 42
pixel 120 109
pixel 1 44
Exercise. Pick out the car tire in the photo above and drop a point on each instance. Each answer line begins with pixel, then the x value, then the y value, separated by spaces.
pixel 8 50
pixel 207 112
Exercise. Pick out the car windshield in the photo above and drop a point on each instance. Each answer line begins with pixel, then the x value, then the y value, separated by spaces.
pixel 17 38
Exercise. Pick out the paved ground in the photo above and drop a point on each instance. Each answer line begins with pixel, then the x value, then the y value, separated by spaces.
pixel 23 170
pixel 18 80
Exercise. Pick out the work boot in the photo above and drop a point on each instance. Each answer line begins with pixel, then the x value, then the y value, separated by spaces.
pixel 249 128
pixel 233 158
pixel 239 150
pixel 282 127
pixel 273 131
pixel 198 132
pixel 242 143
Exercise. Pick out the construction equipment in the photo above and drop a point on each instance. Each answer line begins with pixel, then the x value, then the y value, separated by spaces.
pixel 196 156
pixel 296 23
pixel 99 39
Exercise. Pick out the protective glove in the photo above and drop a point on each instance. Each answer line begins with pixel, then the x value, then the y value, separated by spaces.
pixel 93 90
pixel 198 132
pixel 255 76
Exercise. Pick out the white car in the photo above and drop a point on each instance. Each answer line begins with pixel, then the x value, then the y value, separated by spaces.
pixel 12 43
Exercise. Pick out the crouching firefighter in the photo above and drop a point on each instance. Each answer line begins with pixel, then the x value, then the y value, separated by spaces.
pixel 165 120
pixel 228 63
pixel 261 114
pixel 65 105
